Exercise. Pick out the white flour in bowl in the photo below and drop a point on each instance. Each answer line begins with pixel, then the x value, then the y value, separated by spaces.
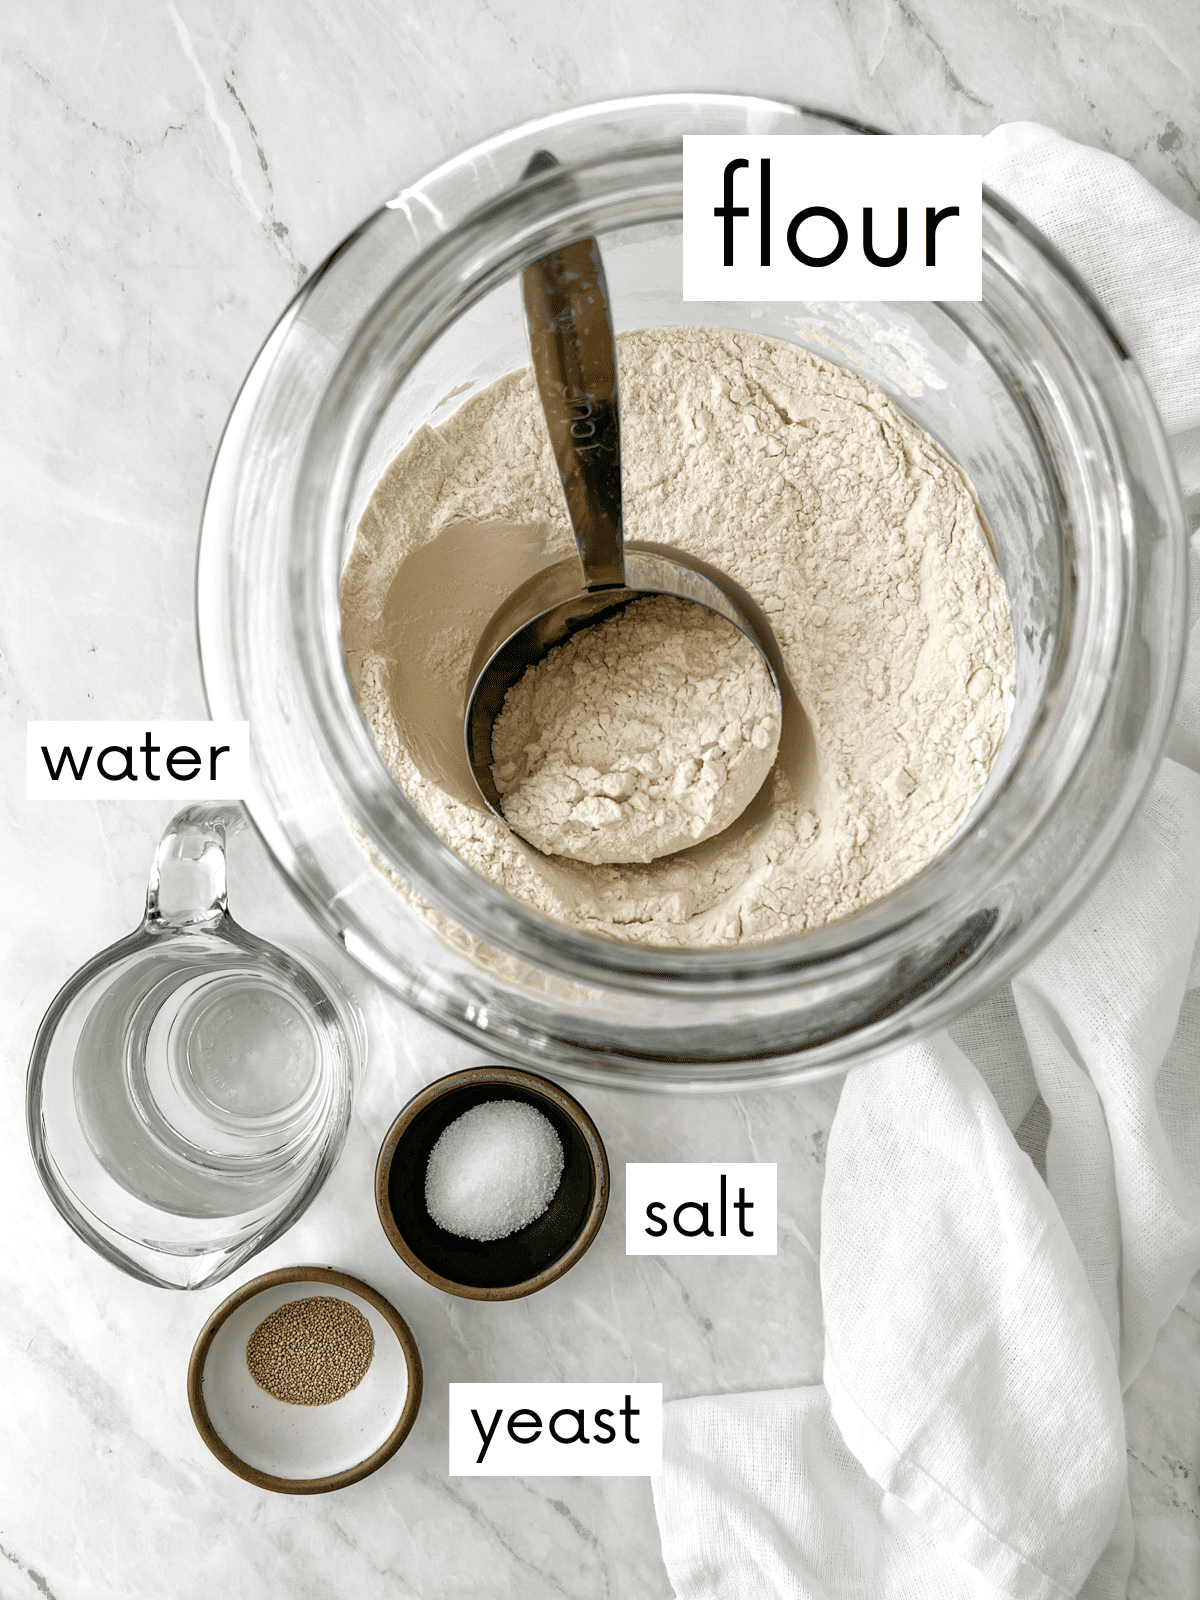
pixel 839 517
pixel 639 736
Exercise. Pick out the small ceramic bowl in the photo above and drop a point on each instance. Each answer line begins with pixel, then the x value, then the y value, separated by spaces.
pixel 302 1449
pixel 499 1269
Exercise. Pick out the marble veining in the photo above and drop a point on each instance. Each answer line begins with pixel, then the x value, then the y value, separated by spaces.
pixel 174 173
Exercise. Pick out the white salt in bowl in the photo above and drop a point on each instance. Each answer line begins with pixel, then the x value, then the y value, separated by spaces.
pixel 526 1260
pixel 300 1449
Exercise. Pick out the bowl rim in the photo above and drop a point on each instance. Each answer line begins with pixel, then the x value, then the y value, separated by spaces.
pixel 344 738
pixel 334 1480
pixel 774 980
pixel 484 1076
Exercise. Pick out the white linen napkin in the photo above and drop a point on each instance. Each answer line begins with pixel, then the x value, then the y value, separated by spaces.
pixel 981 1323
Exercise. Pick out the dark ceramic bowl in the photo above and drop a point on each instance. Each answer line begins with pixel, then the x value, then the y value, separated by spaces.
pixel 499 1269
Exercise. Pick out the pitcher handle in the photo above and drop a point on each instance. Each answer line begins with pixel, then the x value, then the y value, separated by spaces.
pixel 187 889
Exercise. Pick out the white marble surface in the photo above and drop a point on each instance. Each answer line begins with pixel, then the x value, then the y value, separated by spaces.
pixel 174 170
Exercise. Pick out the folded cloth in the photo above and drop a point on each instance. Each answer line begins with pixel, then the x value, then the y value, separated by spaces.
pixel 968 1365
pixel 1139 255
pixel 759 1496
pixel 983 1313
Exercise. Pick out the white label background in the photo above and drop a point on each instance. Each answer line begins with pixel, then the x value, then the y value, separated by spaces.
pixel 543 1457
pixel 673 1183
pixel 232 765
pixel 844 173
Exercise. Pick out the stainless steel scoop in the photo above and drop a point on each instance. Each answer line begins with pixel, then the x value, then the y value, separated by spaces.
pixel 575 364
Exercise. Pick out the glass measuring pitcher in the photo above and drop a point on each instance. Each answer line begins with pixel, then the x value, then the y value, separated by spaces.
pixel 189 1088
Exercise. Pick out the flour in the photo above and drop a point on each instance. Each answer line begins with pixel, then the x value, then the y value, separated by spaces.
pixel 844 523
pixel 643 734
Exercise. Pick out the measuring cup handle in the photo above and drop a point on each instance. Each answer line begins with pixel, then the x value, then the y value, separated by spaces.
pixel 187 880
pixel 575 365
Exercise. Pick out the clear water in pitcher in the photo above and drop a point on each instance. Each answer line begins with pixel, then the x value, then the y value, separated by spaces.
pixel 200 1080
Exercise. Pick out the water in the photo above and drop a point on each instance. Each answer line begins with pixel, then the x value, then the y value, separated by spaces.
pixel 202 1080
pixel 189 1088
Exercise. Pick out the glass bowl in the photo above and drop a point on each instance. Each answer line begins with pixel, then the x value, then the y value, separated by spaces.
pixel 1030 390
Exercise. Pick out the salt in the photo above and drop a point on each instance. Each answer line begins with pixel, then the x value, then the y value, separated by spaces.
pixel 493 1170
